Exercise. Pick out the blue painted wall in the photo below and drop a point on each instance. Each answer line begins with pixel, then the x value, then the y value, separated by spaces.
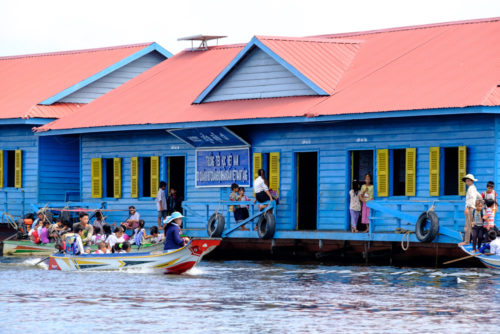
pixel 332 142
pixel 59 168
pixel 258 76
pixel 109 82
pixel 20 137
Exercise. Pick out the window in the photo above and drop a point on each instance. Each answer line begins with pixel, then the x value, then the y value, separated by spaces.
pixel 106 175
pixel 175 173
pixel 144 176
pixel 11 168
pixel 447 166
pixel 270 163
pixel 396 170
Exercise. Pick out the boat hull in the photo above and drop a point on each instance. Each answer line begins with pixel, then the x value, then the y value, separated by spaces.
pixel 490 261
pixel 28 248
pixel 174 262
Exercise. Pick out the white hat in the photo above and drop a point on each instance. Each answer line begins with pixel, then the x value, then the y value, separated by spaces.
pixel 470 177
pixel 172 217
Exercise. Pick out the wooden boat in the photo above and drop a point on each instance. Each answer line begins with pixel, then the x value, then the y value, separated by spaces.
pixel 490 261
pixel 174 262
pixel 28 248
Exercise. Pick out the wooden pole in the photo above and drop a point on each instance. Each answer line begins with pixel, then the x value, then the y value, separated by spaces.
pixel 462 258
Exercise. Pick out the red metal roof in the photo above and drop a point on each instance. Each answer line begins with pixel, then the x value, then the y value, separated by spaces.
pixel 29 79
pixel 425 67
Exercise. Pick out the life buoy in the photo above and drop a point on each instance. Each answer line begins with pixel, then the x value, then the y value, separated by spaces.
pixel 215 225
pixel 266 226
pixel 427 227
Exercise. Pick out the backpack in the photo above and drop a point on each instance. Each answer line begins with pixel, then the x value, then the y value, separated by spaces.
pixel 71 244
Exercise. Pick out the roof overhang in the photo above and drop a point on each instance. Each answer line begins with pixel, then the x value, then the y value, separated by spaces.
pixel 281 120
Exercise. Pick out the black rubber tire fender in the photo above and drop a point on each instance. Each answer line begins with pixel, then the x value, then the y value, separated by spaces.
pixel 215 225
pixel 266 226
pixel 423 234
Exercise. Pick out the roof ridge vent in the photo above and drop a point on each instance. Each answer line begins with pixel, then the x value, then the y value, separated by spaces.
pixel 203 39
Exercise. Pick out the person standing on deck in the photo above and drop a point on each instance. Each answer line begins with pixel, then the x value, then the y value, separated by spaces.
pixel 470 205
pixel 354 205
pixel 161 203
pixel 261 189
pixel 172 228
pixel 174 202
pixel 366 195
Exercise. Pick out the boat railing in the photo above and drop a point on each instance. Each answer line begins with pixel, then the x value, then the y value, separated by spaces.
pixel 198 213
pixel 388 215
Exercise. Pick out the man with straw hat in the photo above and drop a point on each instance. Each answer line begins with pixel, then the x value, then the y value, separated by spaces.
pixel 172 226
pixel 470 205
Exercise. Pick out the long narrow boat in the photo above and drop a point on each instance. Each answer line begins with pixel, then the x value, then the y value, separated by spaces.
pixel 174 262
pixel 28 248
pixel 490 261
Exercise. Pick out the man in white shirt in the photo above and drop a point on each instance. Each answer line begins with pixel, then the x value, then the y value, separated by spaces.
pixel 470 205
pixel 161 203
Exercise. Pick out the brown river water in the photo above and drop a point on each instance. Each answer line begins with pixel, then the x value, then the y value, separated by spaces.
pixel 249 297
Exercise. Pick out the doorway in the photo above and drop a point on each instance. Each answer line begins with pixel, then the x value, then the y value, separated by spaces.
pixel 307 190
pixel 361 164
pixel 176 167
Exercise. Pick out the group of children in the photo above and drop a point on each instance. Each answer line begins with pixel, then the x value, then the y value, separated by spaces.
pixel 78 238
pixel 240 211
pixel 360 195
pixel 480 210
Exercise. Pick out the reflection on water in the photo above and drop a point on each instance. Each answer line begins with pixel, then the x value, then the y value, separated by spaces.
pixel 250 297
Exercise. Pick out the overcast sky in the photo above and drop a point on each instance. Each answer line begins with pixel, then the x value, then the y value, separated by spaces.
pixel 33 26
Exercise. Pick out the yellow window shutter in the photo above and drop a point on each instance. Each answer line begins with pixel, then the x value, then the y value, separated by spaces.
pixel 462 169
pixel 383 173
pixel 274 171
pixel 434 170
pixel 117 177
pixel 18 163
pixel 1 168
pixel 155 170
pixel 134 177
pixel 96 176
pixel 257 164
pixel 410 184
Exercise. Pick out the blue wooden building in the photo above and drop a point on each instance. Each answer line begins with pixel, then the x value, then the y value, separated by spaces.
pixel 37 89
pixel 415 107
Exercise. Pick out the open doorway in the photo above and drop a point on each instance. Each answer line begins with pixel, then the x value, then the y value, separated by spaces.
pixel 176 174
pixel 307 190
pixel 361 164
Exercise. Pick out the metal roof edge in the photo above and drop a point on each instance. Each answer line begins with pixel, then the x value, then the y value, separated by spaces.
pixel 125 61
pixel 280 120
pixel 23 121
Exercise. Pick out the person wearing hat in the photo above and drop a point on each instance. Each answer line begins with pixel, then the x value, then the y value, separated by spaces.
pixel 172 226
pixel 470 205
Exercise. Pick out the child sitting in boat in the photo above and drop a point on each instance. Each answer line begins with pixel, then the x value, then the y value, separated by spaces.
pixel 34 233
pixel 155 236
pixel 115 238
pixel 494 243
pixel 102 248
pixel 98 236
pixel 77 246
pixel 44 233
pixel 125 248
pixel 57 229
pixel 140 234
pixel 172 226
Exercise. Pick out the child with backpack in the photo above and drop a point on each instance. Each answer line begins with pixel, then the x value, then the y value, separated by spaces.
pixel 140 234
pixel 478 230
